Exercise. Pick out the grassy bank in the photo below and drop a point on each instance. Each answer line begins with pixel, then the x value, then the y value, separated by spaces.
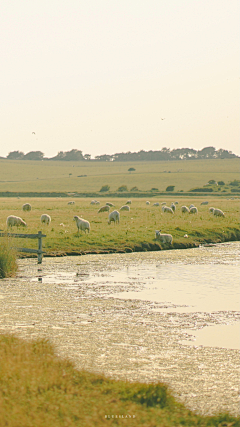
pixel 38 389
pixel 136 231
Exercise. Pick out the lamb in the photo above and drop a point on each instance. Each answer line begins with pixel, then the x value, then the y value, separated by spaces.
pixel 218 212
pixel 109 204
pixel 156 204
pixel 193 210
pixel 125 208
pixel 184 209
pixel 163 203
pixel 114 217
pixel 204 203
pixel 176 203
pixel 191 206
pixel 167 210
pixel 211 210
pixel 93 202
pixel 147 202
pixel 27 207
pixel 45 219
pixel 173 207
pixel 129 202
pixel 105 208
pixel 13 220
pixel 71 203
pixel 164 238
pixel 82 224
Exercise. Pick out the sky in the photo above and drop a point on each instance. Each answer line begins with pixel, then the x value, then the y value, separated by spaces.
pixel 100 75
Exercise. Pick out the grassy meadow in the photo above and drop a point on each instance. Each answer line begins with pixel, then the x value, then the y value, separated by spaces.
pixel 40 389
pixel 136 231
pixel 83 177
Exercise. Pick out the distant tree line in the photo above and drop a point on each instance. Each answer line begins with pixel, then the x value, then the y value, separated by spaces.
pixel 163 154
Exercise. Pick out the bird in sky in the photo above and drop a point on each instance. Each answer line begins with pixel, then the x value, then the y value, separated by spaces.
pixel 163 118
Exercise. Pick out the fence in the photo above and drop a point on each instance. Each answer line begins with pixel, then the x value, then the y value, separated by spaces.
pixel 38 236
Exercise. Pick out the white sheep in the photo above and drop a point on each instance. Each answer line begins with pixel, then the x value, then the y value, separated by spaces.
pixel 27 207
pixel 163 238
pixel 193 210
pixel 184 209
pixel 114 217
pixel 125 208
pixel 163 203
pixel 129 202
pixel 97 202
pixel 45 219
pixel 93 202
pixel 173 207
pixel 13 220
pixel 218 212
pixel 105 208
pixel 82 224
pixel 176 203
pixel 71 203
pixel 191 206
pixel 211 210
pixel 204 203
pixel 109 204
pixel 166 209
pixel 156 204
pixel 147 202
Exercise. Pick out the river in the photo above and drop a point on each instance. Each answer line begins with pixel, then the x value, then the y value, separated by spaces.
pixel 170 316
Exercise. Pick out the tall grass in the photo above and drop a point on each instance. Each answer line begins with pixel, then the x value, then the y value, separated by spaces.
pixel 8 259
pixel 38 389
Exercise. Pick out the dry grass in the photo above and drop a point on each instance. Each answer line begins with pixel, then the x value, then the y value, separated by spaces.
pixel 8 259
pixel 37 389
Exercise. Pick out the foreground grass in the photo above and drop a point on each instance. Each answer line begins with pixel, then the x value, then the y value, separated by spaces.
pixel 39 389
pixel 136 231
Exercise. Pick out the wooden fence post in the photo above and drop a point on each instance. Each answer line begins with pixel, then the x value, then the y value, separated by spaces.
pixel 40 254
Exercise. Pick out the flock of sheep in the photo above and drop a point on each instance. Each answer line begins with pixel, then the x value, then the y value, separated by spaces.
pixel 114 216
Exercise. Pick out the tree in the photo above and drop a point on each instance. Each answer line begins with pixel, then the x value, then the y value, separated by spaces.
pixel 104 188
pixel 34 155
pixel 15 155
pixel 170 188
pixel 122 188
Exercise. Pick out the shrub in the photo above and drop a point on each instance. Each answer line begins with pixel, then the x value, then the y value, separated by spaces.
pixel 8 260
pixel 134 189
pixel 212 181
pixel 105 188
pixel 235 183
pixel 154 189
pixel 122 188
pixel 199 190
pixel 131 169
pixel 170 188
pixel 221 183
pixel 235 190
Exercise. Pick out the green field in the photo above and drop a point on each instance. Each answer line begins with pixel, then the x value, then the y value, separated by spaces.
pixel 136 231
pixel 42 176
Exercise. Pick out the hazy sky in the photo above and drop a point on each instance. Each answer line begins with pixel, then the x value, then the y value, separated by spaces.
pixel 98 75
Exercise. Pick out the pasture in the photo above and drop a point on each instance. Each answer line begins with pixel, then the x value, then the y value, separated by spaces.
pixel 83 177
pixel 136 230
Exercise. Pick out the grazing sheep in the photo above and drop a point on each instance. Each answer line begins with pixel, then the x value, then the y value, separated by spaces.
pixel 191 206
pixel 156 204
pixel 186 236
pixel 71 203
pixel 93 202
pixel 27 207
pixel 211 210
pixel 147 202
pixel 193 210
pixel 13 220
pixel 109 204
pixel 82 224
pixel 184 209
pixel 114 217
pixel 167 210
pixel 176 203
pixel 204 203
pixel 125 208
pixel 163 203
pixel 45 219
pixel 164 238
pixel 105 208
pixel 218 212
pixel 129 202
pixel 97 203
pixel 173 207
